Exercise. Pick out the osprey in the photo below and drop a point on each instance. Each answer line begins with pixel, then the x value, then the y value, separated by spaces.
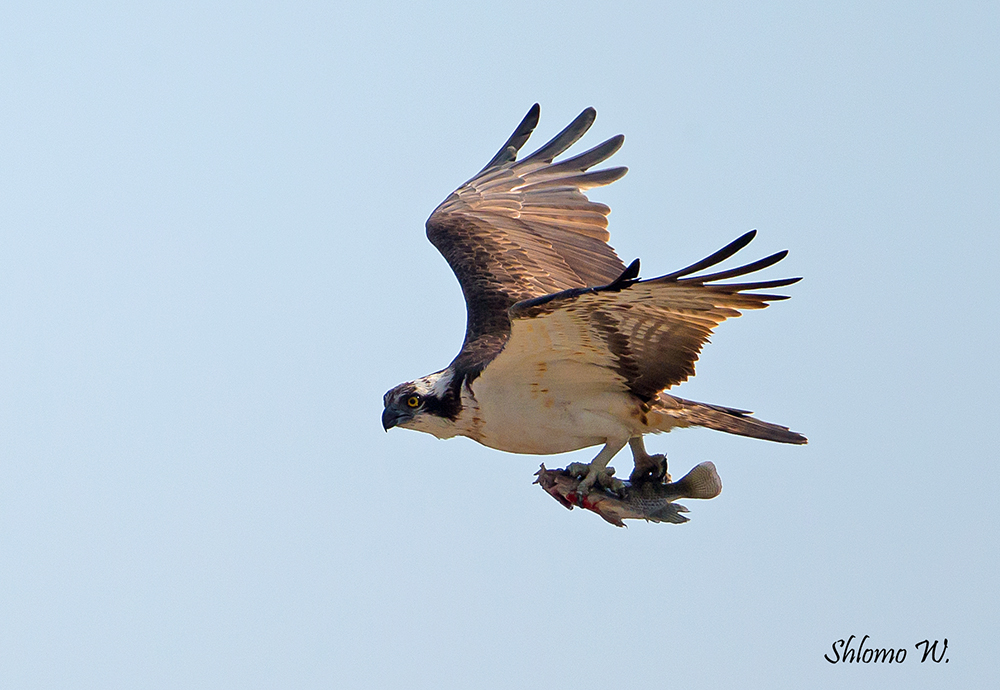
pixel 565 347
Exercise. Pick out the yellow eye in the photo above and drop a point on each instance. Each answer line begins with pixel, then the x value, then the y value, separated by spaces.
pixel 413 401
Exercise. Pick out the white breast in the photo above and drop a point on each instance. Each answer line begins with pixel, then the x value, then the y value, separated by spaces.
pixel 540 398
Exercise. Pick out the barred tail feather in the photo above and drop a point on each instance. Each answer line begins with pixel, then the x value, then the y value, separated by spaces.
pixel 681 413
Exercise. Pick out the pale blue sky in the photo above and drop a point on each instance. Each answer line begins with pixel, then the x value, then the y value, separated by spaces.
pixel 213 265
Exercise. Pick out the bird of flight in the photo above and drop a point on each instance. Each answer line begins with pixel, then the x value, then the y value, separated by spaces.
pixel 565 347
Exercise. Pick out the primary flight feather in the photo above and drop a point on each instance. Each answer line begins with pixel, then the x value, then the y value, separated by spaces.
pixel 565 347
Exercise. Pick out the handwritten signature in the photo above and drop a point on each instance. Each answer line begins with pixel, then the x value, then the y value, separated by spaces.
pixel 844 652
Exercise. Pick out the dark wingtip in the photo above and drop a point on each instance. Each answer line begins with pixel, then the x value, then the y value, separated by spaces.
pixel 566 138
pixel 742 241
pixel 508 152
pixel 627 277
pixel 631 271
pixel 751 267
pixel 718 257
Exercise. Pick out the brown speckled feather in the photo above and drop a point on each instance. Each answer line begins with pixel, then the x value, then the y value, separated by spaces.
pixel 650 331
pixel 524 229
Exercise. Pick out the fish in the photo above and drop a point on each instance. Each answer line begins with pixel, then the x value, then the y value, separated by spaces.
pixel 649 499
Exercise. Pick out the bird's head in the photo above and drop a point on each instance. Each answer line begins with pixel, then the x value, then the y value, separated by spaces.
pixel 428 404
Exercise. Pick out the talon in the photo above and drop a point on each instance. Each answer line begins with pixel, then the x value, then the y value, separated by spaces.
pixel 651 468
pixel 606 480
pixel 601 477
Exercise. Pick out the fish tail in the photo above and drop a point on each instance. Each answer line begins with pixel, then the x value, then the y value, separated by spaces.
pixel 702 481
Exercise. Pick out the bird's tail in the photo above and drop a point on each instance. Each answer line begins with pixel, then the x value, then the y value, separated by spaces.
pixel 669 412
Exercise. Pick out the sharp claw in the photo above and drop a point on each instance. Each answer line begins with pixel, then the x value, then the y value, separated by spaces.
pixel 652 468
pixel 607 480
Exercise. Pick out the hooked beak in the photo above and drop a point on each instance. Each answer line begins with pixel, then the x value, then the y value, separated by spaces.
pixel 391 418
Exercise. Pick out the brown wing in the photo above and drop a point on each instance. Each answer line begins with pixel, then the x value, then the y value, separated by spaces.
pixel 648 333
pixel 523 229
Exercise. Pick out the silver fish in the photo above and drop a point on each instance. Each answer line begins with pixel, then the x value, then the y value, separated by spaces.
pixel 647 500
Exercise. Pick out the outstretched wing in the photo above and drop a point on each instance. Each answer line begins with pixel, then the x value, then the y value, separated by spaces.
pixel 645 334
pixel 522 229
